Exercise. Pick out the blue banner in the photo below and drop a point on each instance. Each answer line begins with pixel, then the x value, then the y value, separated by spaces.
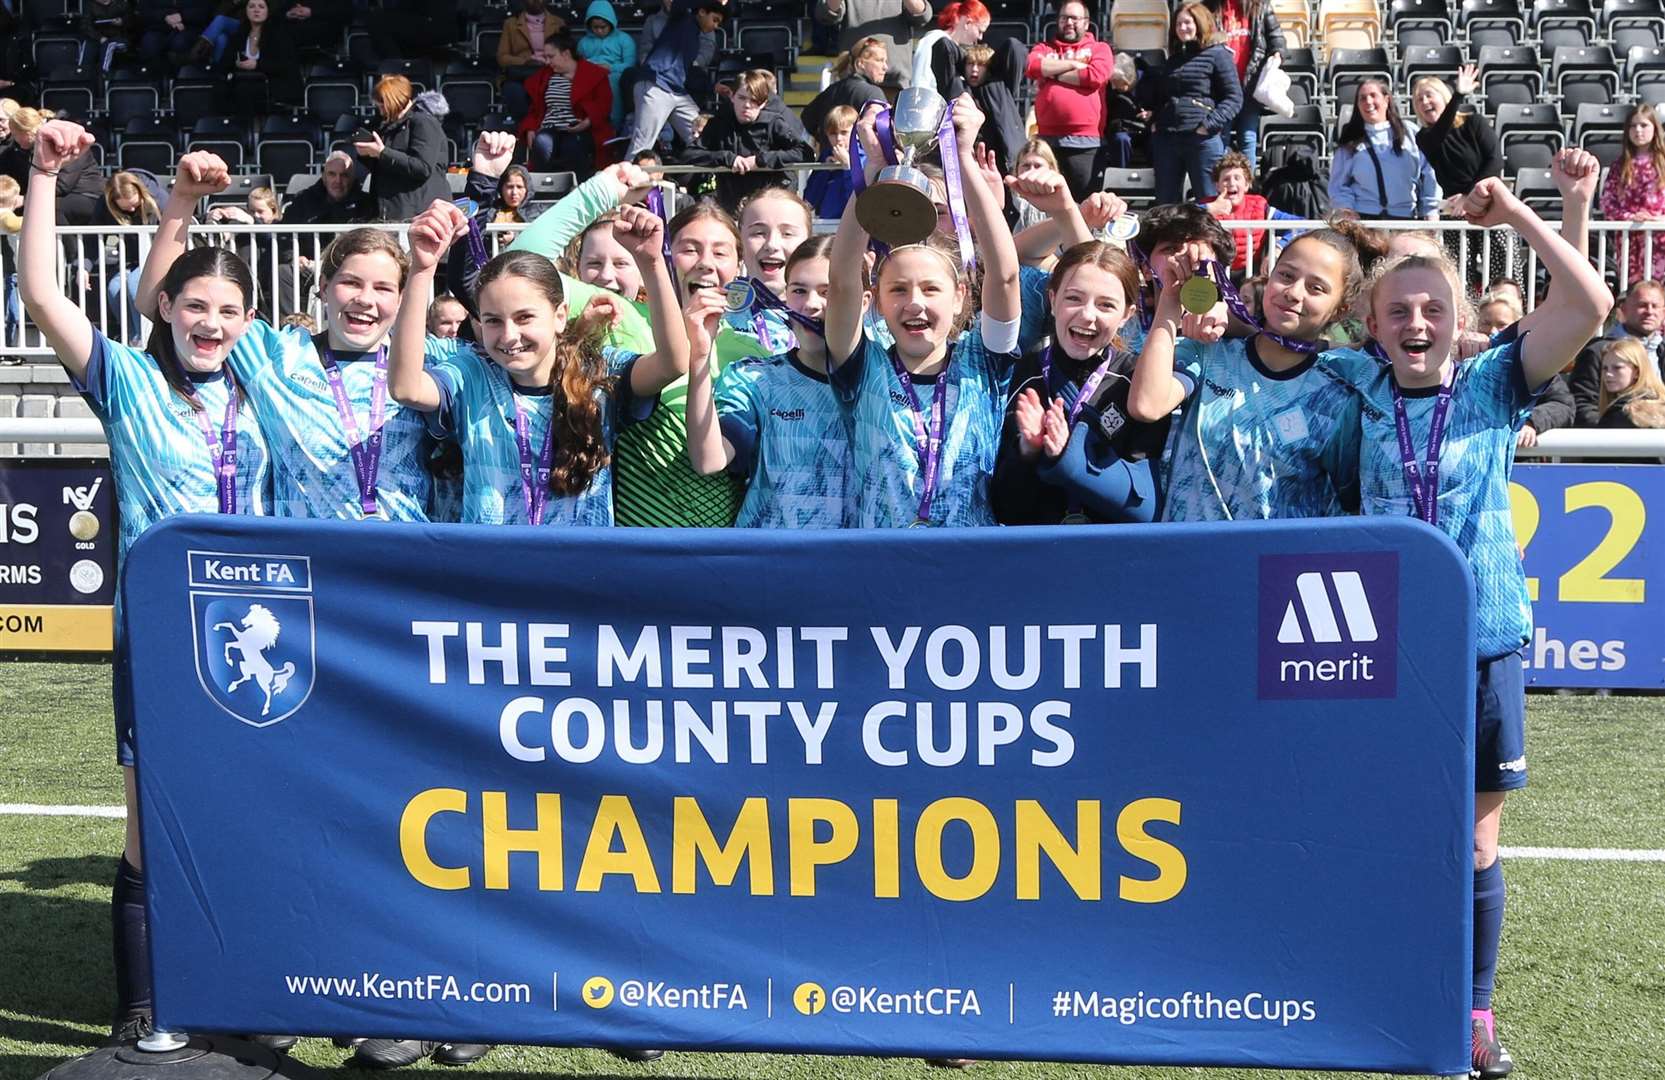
pixel 58 534
pixel 1193 795
pixel 1595 566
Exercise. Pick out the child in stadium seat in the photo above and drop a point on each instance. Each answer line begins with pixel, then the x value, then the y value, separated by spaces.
pixel 774 422
pixel 829 189
pixel 926 409
pixel 1438 443
pixel 753 134
pixel 1276 433
pixel 536 379
pixel 184 438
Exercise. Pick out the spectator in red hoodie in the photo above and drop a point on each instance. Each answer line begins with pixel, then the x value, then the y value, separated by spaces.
pixel 567 126
pixel 1072 70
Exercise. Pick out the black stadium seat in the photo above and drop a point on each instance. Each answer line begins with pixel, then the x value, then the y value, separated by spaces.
pixel 1627 34
pixel 1348 68
pixel 1503 15
pixel 1440 60
pixel 1536 188
pixel 1530 149
pixel 1511 74
pixel 1584 77
pixel 1612 10
pixel 1417 12
pixel 1559 10
pixel 327 100
pixel 285 155
pixel 73 102
pixel 1136 187
pixel 154 155
pixel 52 52
pixel 776 40
pixel 1600 129
pixel 124 101
pixel 1305 129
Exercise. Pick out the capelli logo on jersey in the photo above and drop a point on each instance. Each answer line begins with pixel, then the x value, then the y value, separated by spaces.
pixel 1329 625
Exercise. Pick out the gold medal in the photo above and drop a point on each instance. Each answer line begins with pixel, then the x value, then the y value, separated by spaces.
pixel 1199 295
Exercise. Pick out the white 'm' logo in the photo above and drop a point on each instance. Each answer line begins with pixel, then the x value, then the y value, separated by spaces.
pixel 1315 602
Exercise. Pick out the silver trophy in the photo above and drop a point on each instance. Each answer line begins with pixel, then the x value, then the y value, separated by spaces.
pixel 897 208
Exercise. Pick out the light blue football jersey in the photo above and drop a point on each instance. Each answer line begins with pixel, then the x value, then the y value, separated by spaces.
pixel 887 458
pixel 159 459
pixel 477 407
pixel 1034 318
pixel 791 442
pixel 772 329
pixel 313 475
pixel 1489 403
pixel 1254 444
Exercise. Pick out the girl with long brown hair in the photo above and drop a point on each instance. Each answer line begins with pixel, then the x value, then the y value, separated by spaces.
pixel 537 403
pixel 1635 191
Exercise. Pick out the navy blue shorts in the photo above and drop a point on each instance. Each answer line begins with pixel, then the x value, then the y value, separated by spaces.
pixel 123 705
pixel 1500 725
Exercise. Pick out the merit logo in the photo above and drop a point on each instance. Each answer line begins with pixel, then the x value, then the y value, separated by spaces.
pixel 1328 625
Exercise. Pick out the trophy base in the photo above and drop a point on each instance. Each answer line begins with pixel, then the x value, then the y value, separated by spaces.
pixel 896 212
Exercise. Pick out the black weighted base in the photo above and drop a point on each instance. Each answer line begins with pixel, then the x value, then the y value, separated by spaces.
pixel 205 1057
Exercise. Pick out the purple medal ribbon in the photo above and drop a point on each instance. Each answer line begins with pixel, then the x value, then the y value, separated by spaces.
pixel 764 298
pixel 858 163
pixel 1240 311
pixel 929 438
pixel 655 203
pixel 949 143
pixel 367 452
pixel 1088 388
pixel 477 242
pixel 535 488
pixel 1424 490
pixel 222 449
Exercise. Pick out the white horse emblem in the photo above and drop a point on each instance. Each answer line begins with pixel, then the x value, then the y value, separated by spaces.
pixel 258 633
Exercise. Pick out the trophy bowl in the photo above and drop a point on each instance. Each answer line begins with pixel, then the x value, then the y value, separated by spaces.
pixel 897 208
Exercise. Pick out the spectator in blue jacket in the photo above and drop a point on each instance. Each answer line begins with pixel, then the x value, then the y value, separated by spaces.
pixel 1378 171
pixel 605 46
pixel 1195 96
pixel 662 90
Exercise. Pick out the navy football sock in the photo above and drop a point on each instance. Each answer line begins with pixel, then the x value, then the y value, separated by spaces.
pixel 130 931
pixel 1488 930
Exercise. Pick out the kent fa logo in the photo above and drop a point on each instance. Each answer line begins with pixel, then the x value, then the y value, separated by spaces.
pixel 1329 625
pixel 253 633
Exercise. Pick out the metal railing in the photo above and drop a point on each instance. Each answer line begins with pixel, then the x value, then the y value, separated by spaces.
pixel 97 274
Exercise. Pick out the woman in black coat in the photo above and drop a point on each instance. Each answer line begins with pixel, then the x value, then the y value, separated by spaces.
pixel 858 76
pixel 1459 144
pixel 407 154
pixel 1194 96
pixel 262 47
pixel 80 183
pixel 1251 30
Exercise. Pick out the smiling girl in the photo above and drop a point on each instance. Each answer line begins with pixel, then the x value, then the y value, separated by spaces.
pixel 341 448
pixel 182 436
pixel 1271 431
pixel 537 404
pixel 1438 443
pixel 1070 453
pixel 774 422
pixel 926 409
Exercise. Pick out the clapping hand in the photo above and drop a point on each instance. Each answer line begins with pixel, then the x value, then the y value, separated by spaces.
pixel 1031 419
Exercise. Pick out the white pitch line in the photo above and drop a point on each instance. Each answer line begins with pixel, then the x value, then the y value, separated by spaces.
pixel 1558 854
pixel 36 810
pixel 1583 854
